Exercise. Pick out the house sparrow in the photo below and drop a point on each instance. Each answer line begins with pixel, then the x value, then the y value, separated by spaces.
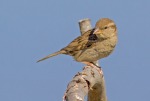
pixel 93 45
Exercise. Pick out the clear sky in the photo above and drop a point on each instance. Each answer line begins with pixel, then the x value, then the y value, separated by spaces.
pixel 31 29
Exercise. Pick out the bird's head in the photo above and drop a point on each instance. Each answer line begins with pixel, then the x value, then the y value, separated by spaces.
pixel 105 28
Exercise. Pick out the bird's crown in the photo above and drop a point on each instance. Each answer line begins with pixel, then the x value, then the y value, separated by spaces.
pixel 103 22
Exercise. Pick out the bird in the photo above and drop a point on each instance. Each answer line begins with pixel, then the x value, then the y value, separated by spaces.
pixel 95 44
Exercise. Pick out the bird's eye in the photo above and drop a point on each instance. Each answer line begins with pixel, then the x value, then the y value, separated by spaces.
pixel 105 27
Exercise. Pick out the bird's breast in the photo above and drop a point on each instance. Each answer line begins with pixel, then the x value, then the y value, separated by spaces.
pixel 100 50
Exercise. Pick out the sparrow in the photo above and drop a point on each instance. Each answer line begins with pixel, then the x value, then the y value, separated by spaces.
pixel 93 45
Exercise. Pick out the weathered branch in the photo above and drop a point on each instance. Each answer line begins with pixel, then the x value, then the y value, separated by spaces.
pixel 85 25
pixel 88 82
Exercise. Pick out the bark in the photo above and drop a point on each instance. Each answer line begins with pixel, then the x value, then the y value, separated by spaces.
pixel 89 82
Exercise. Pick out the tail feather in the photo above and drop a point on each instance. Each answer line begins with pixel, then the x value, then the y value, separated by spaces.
pixel 51 55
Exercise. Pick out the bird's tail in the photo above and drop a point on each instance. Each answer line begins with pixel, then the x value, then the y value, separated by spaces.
pixel 51 55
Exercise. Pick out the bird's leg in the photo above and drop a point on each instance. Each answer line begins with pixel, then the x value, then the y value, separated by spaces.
pixel 94 66
pixel 90 64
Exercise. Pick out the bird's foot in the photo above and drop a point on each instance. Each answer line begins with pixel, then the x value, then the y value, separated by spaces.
pixel 98 68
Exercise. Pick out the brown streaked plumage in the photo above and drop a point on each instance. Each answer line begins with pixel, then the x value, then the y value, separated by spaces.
pixel 93 45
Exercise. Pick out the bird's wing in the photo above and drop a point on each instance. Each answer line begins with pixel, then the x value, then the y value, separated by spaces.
pixel 80 43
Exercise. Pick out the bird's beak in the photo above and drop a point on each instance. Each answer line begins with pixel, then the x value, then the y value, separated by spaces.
pixel 97 31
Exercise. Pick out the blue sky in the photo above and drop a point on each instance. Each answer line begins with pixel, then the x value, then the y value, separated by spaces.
pixel 31 29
